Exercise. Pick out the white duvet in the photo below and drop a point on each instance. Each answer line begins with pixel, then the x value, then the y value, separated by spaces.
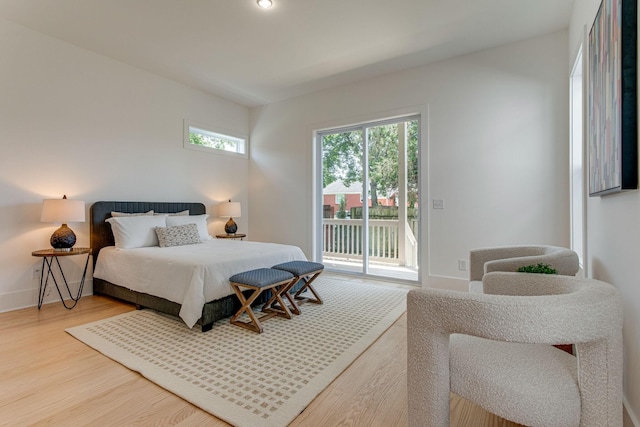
pixel 189 275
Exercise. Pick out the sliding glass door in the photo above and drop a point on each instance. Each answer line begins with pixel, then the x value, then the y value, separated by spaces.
pixel 370 189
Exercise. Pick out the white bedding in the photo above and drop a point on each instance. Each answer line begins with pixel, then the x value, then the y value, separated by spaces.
pixel 192 274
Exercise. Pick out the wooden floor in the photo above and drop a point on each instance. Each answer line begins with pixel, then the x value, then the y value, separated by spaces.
pixel 48 377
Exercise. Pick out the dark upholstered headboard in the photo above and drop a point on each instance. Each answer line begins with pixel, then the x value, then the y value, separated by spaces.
pixel 100 231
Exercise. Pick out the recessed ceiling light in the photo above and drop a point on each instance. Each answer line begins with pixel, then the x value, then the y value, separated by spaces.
pixel 265 4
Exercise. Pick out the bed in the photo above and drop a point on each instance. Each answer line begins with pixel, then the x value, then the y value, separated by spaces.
pixel 189 281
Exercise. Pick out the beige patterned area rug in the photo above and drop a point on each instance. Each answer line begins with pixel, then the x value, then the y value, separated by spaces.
pixel 245 378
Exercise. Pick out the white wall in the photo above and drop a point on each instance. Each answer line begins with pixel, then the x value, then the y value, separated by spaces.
pixel 497 151
pixel 613 233
pixel 76 123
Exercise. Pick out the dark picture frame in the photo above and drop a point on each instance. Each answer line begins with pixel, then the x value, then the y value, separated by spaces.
pixel 612 99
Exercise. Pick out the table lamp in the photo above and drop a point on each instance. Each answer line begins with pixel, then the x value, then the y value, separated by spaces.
pixel 62 211
pixel 229 210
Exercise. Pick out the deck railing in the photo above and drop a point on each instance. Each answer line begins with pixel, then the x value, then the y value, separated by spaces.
pixel 342 238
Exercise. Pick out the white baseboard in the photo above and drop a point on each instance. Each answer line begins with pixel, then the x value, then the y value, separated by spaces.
pixel 29 298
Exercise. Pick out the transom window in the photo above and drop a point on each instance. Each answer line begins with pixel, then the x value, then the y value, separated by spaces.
pixel 203 137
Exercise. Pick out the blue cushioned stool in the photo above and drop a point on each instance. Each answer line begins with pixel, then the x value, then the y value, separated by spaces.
pixel 260 280
pixel 306 271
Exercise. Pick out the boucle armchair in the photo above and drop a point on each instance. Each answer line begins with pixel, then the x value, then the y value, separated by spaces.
pixel 504 362
pixel 510 258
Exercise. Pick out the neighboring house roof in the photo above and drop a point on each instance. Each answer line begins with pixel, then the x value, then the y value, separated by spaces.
pixel 338 187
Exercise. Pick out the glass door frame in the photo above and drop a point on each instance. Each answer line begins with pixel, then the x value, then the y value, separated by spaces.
pixel 317 221
pixel 578 158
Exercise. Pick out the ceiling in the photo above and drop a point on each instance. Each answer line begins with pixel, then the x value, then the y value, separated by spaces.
pixel 234 49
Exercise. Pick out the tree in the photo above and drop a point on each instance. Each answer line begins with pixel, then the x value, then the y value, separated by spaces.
pixel 342 213
pixel 412 164
pixel 383 160
pixel 342 159
pixel 210 141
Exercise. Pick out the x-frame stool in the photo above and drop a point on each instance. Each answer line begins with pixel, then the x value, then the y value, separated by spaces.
pixel 260 280
pixel 306 271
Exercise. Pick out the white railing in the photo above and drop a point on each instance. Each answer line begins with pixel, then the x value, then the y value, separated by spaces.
pixel 342 238
pixel 412 247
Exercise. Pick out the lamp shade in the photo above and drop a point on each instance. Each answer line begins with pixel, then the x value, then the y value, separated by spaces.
pixel 229 209
pixel 62 211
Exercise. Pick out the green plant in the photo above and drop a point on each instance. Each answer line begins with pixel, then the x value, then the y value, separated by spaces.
pixel 538 268
pixel 342 213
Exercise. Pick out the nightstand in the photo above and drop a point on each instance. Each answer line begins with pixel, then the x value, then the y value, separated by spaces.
pixel 231 236
pixel 48 258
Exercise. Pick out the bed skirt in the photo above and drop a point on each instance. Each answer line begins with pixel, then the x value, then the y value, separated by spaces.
pixel 211 312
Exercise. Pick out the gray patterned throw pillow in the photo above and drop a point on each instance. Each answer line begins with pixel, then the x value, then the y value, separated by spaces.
pixel 178 235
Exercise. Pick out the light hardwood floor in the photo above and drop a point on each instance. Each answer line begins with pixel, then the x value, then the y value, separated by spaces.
pixel 48 377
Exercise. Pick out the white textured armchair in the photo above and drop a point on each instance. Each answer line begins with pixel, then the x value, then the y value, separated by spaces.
pixel 510 258
pixel 504 362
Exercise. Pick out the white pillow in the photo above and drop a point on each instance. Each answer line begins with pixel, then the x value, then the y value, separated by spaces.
pixel 130 214
pixel 136 231
pixel 174 214
pixel 199 220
